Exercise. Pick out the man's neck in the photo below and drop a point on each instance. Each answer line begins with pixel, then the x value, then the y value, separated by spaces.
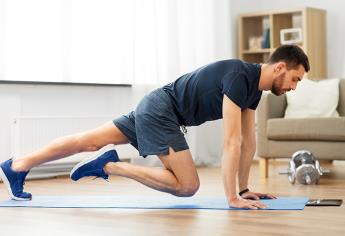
pixel 266 78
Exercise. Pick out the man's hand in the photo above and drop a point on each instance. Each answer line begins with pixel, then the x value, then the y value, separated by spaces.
pixel 257 196
pixel 244 203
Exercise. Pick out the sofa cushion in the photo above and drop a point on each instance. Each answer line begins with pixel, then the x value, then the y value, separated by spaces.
pixel 313 99
pixel 315 129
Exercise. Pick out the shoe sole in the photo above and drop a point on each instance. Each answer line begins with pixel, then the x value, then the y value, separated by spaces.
pixel 86 161
pixel 8 187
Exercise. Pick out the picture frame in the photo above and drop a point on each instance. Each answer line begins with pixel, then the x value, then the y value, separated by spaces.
pixel 291 36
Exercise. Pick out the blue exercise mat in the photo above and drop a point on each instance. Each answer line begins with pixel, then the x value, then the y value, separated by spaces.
pixel 149 202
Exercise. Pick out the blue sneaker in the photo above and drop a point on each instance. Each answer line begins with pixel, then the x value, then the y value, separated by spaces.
pixel 14 181
pixel 94 165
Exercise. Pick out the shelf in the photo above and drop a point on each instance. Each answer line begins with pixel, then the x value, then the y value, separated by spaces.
pixel 285 21
pixel 263 29
pixel 263 50
pixel 256 57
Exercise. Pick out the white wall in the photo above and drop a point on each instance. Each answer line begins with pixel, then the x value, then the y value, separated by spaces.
pixel 335 25
pixel 59 100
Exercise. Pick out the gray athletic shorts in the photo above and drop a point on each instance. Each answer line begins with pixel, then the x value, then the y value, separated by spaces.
pixel 154 126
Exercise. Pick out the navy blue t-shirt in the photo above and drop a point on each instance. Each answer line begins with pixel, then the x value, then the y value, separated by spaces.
pixel 197 97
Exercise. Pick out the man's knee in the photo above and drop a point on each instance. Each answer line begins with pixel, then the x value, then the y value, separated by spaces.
pixel 86 143
pixel 187 190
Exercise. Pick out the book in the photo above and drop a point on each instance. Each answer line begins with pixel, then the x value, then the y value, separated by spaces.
pixel 266 39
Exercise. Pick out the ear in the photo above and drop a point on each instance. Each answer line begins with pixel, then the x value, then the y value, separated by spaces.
pixel 279 66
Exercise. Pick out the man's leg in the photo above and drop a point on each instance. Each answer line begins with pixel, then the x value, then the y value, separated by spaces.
pixel 179 177
pixel 91 140
pixel 13 172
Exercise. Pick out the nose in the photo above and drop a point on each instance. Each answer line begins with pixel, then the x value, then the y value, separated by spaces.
pixel 293 86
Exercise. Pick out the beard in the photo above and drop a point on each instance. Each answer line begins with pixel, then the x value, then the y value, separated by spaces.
pixel 277 85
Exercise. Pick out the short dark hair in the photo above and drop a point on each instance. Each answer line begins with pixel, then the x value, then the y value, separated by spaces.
pixel 292 55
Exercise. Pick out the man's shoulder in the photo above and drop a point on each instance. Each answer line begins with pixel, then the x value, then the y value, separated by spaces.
pixel 234 66
pixel 229 62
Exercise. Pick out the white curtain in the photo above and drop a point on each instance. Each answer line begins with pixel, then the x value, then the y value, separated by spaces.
pixel 111 41
pixel 88 41
pixel 173 37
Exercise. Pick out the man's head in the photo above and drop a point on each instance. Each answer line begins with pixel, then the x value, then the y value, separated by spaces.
pixel 289 65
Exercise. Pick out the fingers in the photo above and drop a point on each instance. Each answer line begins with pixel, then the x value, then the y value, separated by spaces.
pixel 248 204
pixel 271 196
pixel 252 196
pixel 260 205
pixel 268 196
pixel 252 207
pixel 256 205
pixel 258 196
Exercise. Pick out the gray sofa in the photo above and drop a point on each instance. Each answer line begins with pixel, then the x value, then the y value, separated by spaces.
pixel 280 138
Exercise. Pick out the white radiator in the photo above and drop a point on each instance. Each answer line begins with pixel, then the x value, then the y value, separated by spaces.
pixel 31 133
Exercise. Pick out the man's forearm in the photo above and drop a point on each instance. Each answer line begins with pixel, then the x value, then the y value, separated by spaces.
pixel 246 159
pixel 230 166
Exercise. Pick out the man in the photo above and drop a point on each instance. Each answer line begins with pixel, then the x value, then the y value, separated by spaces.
pixel 229 89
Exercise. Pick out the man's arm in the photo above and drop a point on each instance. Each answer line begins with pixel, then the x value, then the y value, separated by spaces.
pixel 232 153
pixel 231 147
pixel 248 147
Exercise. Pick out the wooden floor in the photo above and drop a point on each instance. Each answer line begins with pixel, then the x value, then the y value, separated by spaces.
pixel 49 222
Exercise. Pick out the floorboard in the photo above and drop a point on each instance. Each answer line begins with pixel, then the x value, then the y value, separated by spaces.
pixel 51 222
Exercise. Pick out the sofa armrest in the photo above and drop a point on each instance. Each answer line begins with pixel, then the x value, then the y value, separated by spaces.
pixel 270 106
pixel 341 105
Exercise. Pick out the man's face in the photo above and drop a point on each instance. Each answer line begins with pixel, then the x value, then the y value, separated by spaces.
pixel 284 79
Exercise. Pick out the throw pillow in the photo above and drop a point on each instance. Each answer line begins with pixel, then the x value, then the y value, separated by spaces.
pixel 313 99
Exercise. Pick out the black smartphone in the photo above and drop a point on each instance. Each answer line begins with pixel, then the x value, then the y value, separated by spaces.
pixel 324 202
